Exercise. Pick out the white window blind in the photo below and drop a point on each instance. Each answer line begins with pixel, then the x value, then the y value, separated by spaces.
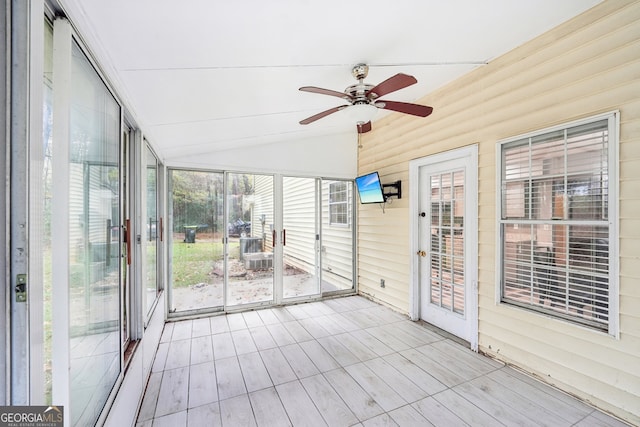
pixel 554 223
pixel 339 203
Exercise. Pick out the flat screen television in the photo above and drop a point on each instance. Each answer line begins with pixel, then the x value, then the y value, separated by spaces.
pixel 370 188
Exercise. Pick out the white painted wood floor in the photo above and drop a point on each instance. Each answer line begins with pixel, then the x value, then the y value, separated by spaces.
pixel 340 362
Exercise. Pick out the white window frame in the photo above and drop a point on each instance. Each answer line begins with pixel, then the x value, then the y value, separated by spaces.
pixel 613 118
pixel 342 202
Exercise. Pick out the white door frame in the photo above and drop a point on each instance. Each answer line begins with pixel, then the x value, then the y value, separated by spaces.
pixel 471 224
pixel 21 361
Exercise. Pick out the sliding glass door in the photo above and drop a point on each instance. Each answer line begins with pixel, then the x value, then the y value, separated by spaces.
pixel 250 239
pixel 94 236
pixel 196 235
pixel 318 226
pixel 247 240
pixel 152 230
pixel 337 237
pixel 220 258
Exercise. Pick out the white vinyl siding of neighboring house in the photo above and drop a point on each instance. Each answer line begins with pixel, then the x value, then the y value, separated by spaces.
pixel 337 239
pixel 585 67
pixel 300 214
pixel 263 201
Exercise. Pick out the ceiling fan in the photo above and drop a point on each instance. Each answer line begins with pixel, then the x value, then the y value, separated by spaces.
pixel 364 99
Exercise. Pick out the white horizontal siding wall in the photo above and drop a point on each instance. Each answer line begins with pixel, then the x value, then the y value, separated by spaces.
pixel 587 66
pixel 263 205
pixel 299 216
pixel 337 244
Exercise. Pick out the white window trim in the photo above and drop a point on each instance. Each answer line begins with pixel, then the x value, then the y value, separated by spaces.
pixel 613 118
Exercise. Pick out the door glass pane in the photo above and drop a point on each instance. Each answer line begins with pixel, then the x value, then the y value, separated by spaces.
pixel 47 121
pixel 94 236
pixel 152 229
pixel 250 217
pixel 447 241
pixel 125 297
pixel 300 225
pixel 336 252
pixel 196 221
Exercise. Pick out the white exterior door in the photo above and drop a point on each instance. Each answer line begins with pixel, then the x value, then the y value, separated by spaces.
pixel 445 267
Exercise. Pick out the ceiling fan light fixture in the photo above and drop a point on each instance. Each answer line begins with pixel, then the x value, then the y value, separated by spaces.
pixel 361 113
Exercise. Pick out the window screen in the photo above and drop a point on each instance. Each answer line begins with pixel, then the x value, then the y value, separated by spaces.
pixel 554 223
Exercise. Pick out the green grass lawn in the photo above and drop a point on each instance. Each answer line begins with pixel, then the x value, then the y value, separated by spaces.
pixel 194 263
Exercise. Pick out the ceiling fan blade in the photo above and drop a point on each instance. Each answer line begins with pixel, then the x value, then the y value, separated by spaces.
pixel 364 127
pixel 322 114
pixel 397 82
pixel 405 107
pixel 322 91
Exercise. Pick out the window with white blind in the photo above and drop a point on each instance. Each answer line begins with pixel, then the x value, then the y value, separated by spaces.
pixel 339 203
pixel 556 222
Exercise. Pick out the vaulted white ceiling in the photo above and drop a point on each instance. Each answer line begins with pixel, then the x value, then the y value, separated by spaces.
pixel 205 76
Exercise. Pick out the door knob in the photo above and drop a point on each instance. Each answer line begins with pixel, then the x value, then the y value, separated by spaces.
pixel 422 253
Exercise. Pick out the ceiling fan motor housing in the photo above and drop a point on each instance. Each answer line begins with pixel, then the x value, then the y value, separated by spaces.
pixel 360 71
pixel 358 92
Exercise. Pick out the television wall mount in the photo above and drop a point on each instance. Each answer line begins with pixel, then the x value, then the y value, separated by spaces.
pixel 398 190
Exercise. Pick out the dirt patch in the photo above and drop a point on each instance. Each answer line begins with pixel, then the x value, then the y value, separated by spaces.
pixel 245 286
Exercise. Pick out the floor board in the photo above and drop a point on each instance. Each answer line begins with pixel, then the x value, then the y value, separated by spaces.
pixel 223 346
pixel 219 324
pixel 178 355
pixel 243 342
pixel 299 361
pixel 319 356
pixel 396 380
pixel 465 410
pixel 237 412
pixel 338 351
pixel 268 408
pixel 229 378
pixel 148 407
pixel 201 350
pixel 254 372
pixel 298 405
pixel 408 416
pixel 279 369
pixel 381 392
pixel 437 413
pixel 201 328
pixel 206 415
pixel 202 384
pixel 280 334
pixel 332 408
pixel 174 392
pixel 363 405
pixel 262 338
pixel 340 362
